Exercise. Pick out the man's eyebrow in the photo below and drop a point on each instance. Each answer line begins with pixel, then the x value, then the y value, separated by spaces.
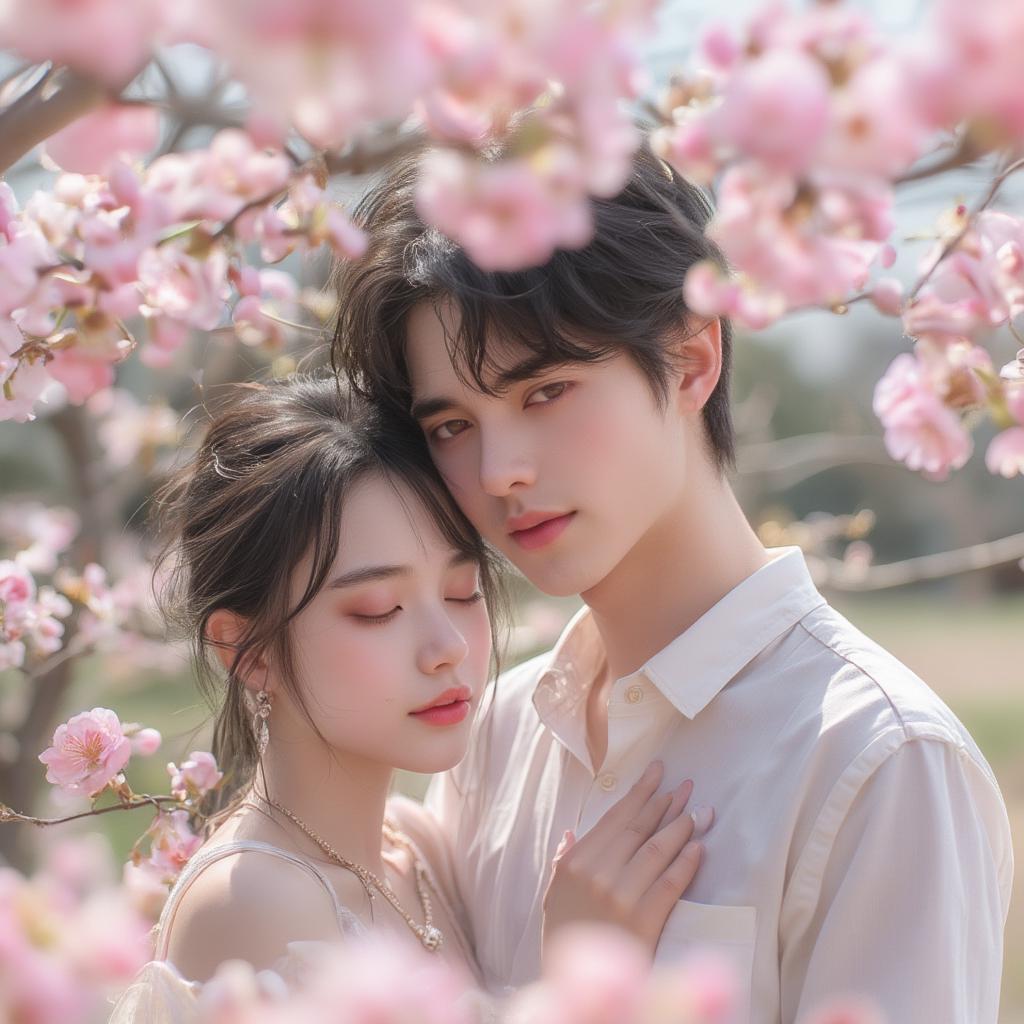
pixel 427 407
pixel 372 573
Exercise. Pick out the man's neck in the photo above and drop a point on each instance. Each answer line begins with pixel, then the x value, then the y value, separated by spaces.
pixel 681 568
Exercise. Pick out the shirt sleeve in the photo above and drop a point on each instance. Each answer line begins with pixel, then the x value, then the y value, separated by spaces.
pixel 902 891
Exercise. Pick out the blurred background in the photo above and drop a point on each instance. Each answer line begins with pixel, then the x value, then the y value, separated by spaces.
pixel 812 471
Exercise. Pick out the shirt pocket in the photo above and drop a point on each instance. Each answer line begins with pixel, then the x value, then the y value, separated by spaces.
pixel 728 932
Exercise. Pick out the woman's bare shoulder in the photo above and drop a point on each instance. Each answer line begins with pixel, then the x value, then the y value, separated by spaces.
pixel 247 905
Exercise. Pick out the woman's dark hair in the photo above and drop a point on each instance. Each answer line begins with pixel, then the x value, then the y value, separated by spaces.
pixel 621 292
pixel 268 485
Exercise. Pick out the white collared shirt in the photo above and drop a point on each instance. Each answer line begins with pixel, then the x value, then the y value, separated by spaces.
pixel 861 844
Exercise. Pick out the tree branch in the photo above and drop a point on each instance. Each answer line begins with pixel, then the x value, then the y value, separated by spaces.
pixel 53 103
pixel 831 572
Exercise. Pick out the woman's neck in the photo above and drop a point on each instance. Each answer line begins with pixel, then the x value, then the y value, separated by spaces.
pixel 340 799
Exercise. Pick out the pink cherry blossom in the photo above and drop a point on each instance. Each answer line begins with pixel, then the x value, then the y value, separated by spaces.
pixel 595 976
pixel 919 428
pixel 776 109
pixel 185 288
pixel 39 533
pixel 88 752
pixel 89 144
pixel 1005 455
pixel 503 213
pixel 886 295
pixel 172 843
pixel 105 39
pixel 17 585
pixel 145 741
pixel 196 776
pixel 129 430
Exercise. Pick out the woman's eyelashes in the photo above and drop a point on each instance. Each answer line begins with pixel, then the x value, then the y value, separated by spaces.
pixel 377 619
pixel 547 393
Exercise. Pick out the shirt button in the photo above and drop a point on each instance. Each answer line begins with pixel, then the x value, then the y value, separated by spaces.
pixel 607 781
pixel 635 694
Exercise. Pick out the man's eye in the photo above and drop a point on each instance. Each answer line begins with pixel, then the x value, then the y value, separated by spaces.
pixel 449 429
pixel 548 393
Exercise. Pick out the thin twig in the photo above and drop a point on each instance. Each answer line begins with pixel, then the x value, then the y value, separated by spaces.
pixel 831 572
pixel 993 189
pixel 141 800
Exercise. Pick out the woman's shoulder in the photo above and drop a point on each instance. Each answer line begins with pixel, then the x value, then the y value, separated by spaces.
pixel 247 903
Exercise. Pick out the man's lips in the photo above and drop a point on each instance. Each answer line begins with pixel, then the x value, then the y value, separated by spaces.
pixel 537 529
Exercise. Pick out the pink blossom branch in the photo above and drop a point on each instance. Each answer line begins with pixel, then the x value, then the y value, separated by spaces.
pixel 986 200
pixel 140 800
pixel 831 572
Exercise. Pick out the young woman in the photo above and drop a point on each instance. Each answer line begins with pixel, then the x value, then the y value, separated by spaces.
pixel 318 563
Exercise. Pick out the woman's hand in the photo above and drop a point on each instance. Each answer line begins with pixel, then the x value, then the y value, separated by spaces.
pixel 633 866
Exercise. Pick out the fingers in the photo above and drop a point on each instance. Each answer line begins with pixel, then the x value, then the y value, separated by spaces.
pixel 660 808
pixel 655 857
pixel 618 816
pixel 654 906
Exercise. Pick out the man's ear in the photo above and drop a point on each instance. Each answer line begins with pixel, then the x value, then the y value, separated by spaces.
pixel 699 366
pixel 223 631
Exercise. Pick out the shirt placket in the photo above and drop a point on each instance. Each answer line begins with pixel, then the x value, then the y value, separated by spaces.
pixel 634 731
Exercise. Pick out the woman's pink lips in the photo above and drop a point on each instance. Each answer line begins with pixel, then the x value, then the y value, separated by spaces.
pixel 444 714
pixel 543 533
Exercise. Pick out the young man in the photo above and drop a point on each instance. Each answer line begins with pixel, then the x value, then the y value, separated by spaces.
pixel 579 413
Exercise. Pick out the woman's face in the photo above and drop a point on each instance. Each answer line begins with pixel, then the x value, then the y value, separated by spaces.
pixel 399 625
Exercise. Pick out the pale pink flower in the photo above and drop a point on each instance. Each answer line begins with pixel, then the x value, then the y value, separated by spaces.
pixel 89 144
pixel 503 213
pixel 1005 455
pixel 81 373
pixel 145 741
pixel 886 295
pixel 12 654
pixel 17 585
pixel 106 39
pixel 595 975
pixel 88 752
pixel 196 776
pixel 128 429
pixel 185 288
pixel 1014 395
pixel 172 843
pixel 38 532
pixel 919 429
pixel 267 295
pixel 776 109
pixel 876 124
pixel 166 338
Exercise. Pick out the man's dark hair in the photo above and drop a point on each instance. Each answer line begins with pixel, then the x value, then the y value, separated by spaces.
pixel 623 292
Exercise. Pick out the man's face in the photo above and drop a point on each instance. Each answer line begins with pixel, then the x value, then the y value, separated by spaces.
pixel 566 473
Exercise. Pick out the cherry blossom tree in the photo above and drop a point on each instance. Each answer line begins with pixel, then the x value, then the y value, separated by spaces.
pixel 174 229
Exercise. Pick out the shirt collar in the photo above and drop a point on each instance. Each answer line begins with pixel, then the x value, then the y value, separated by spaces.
pixel 694 668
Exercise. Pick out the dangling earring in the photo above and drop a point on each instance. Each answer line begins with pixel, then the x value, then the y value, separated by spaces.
pixel 261 721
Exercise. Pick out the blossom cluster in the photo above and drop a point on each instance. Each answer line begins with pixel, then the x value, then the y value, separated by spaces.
pixel 164 245
pixel 806 120
pixel 593 975
pixel 114 617
pixel 70 938
pixel 88 757
pixel 927 400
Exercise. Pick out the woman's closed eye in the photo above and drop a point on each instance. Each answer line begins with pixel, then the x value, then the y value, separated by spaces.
pixel 376 619
pixel 471 599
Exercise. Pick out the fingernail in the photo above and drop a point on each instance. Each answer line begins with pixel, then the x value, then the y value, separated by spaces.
pixel 703 815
